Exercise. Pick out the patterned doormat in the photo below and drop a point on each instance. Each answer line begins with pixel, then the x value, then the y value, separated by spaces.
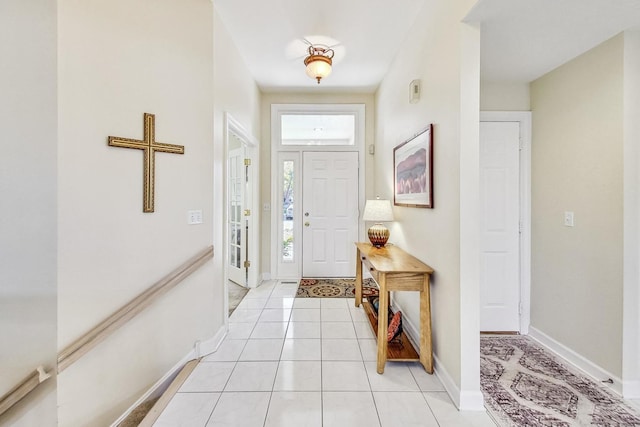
pixel 525 385
pixel 334 288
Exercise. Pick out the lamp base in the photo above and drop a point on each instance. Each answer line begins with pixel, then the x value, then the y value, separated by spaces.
pixel 378 235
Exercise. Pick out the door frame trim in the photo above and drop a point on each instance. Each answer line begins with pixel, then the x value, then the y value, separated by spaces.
pixel 231 125
pixel 524 119
pixel 277 110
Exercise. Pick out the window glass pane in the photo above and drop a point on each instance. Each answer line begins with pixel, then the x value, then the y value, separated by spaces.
pixel 287 211
pixel 233 257
pixel 318 129
pixel 235 202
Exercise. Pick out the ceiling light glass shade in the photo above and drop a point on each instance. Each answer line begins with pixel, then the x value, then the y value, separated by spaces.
pixel 378 211
pixel 319 62
pixel 318 67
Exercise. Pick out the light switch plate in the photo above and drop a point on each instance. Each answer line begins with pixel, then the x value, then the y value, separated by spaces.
pixel 568 219
pixel 194 217
pixel 414 91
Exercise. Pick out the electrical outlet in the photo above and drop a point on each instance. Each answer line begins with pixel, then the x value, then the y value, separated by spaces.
pixel 266 207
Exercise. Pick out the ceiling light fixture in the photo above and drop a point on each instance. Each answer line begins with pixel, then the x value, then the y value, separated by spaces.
pixel 319 61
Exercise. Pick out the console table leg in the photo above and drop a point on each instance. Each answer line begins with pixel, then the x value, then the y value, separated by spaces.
pixel 383 322
pixel 358 278
pixel 426 355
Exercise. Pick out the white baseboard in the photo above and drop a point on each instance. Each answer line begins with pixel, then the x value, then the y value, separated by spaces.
pixel 200 349
pixel 597 373
pixel 471 401
pixel 464 400
pixel 631 389
pixel 266 277
pixel 447 381
pixel 204 348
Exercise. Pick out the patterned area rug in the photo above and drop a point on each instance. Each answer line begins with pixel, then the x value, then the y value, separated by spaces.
pixel 525 385
pixel 334 288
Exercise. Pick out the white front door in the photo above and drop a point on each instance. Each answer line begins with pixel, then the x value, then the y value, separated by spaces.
pixel 499 226
pixel 238 223
pixel 330 213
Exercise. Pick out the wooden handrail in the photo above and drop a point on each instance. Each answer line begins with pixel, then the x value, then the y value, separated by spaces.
pixel 25 387
pixel 95 336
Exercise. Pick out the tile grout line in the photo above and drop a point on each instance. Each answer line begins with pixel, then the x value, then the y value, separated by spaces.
pixel 273 384
pixel 234 368
pixel 238 361
pixel 422 393
pixel 364 366
pixel 237 366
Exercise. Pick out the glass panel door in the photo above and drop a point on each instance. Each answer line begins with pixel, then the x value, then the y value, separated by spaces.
pixel 237 222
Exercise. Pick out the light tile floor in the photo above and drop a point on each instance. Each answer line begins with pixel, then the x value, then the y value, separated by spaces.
pixel 304 363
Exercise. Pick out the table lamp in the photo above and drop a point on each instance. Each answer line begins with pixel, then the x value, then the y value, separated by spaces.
pixel 378 211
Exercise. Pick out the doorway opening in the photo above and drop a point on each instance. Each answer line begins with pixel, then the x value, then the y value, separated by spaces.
pixel 505 221
pixel 317 189
pixel 241 231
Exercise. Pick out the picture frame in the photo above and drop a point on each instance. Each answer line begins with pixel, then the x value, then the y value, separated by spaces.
pixel 413 171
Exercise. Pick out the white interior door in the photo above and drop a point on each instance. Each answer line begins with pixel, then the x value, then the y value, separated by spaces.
pixel 237 245
pixel 499 226
pixel 330 213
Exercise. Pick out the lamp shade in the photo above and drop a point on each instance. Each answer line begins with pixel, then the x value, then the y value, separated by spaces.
pixel 378 211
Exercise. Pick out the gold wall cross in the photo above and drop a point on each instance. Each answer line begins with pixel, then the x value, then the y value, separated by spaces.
pixel 149 146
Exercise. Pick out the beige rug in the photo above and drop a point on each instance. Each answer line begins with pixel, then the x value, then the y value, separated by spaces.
pixel 525 385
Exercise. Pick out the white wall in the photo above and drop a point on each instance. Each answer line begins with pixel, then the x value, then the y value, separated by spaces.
pixel 236 93
pixel 117 60
pixel 444 54
pixel 577 165
pixel 28 203
pixel 265 153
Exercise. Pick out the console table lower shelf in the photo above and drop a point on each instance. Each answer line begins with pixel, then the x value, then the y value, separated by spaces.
pixel 400 349
pixel 394 270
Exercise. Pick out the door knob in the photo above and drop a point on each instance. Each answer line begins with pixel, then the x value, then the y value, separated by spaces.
pixel 306 214
pixel 306 224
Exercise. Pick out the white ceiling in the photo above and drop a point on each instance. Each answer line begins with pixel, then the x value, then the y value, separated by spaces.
pixel 525 39
pixel 269 34
pixel 521 39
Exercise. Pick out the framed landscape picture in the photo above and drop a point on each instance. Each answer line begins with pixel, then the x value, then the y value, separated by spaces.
pixel 413 171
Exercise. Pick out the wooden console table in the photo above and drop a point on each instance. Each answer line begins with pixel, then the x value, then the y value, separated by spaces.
pixel 395 270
